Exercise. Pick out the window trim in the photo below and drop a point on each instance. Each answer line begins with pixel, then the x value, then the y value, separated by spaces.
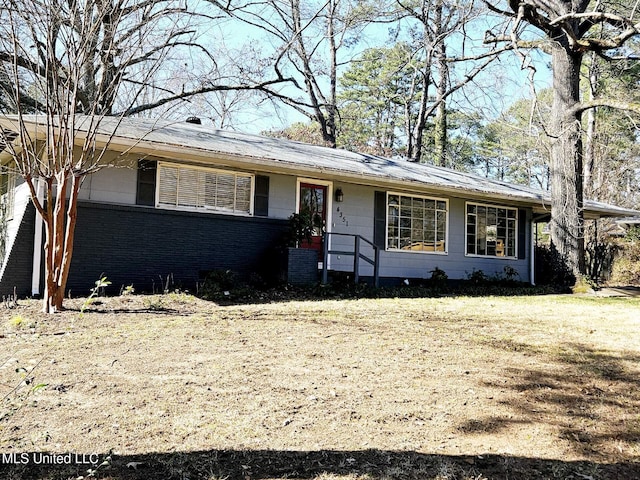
pixel 145 165
pixel 419 252
pixel 183 208
pixel 466 225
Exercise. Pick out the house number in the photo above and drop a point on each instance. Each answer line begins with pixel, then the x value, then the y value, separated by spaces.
pixel 342 216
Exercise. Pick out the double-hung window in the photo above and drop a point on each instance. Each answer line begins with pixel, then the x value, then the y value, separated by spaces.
pixel 196 188
pixel 491 230
pixel 417 224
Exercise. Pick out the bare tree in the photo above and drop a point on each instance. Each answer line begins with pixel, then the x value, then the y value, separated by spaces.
pixel 125 46
pixel 309 41
pixel 49 51
pixel 59 59
pixel 102 44
pixel 611 147
pixel 440 23
pixel 570 29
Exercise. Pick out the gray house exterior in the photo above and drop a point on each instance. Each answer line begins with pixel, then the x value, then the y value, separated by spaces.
pixel 186 199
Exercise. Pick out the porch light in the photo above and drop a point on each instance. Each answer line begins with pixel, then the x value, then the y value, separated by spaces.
pixel 339 195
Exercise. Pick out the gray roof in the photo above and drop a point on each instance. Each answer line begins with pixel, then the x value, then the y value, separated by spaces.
pixel 166 138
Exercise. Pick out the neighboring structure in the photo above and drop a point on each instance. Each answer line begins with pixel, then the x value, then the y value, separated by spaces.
pixel 628 223
pixel 193 199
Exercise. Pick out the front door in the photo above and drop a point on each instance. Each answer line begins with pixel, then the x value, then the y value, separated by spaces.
pixel 313 201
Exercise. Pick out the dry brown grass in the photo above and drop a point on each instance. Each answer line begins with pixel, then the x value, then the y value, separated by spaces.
pixel 448 388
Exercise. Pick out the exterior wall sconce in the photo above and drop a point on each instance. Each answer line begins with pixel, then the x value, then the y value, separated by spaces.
pixel 339 195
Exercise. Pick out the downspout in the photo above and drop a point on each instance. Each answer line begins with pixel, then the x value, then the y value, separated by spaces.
pixel 532 256
pixel 37 243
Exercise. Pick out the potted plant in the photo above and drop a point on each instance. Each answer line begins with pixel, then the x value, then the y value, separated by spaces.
pixel 300 229
pixel 302 261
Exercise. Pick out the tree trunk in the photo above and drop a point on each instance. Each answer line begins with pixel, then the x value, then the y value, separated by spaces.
pixel 440 131
pixel 590 148
pixel 440 135
pixel 331 136
pixel 70 230
pixel 417 133
pixel 567 216
pixel 49 283
pixel 54 245
pixel 60 224
pixel 414 150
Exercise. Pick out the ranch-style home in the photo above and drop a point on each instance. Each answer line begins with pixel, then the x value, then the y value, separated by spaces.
pixel 187 199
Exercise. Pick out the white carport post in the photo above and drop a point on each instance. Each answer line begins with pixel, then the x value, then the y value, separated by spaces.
pixel 37 243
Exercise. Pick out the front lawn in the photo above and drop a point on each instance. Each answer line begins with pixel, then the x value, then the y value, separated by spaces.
pixel 171 386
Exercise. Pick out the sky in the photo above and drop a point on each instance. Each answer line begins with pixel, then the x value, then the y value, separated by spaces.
pixel 493 92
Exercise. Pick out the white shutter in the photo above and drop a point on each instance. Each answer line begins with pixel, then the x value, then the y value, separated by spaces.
pixel 226 192
pixel 168 188
pixel 243 194
pixel 188 187
pixel 210 189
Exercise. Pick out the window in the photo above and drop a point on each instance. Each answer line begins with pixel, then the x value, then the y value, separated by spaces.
pixel 202 188
pixel 416 224
pixel 261 196
pixel 146 188
pixel 7 187
pixel 491 231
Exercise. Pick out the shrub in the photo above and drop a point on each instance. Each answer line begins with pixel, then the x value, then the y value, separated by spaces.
pixel 228 286
pixel 626 264
pixel 600 252
pixel 100 285
pixel 551 269
pixel 439 279
pixel 510 274
pixel 633 234
pixel 128 290
pixel 477 277
pixel 18 321
pixel 584 284
pixel 218 284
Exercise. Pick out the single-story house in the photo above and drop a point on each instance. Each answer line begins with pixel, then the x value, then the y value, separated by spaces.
pixel 186 199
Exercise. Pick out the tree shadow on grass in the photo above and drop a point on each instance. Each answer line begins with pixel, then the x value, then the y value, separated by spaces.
pixel 273 464
pixel 150 304
pixel 591 398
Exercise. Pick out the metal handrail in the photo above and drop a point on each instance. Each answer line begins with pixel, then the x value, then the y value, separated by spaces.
pixel 356 254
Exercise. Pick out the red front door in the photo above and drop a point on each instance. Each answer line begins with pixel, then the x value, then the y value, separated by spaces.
pixel 313 201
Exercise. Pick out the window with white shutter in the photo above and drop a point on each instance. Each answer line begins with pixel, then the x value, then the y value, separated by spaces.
pixel 196 188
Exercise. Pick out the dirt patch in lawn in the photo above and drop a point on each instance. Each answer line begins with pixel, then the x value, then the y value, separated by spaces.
pixel 175 387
